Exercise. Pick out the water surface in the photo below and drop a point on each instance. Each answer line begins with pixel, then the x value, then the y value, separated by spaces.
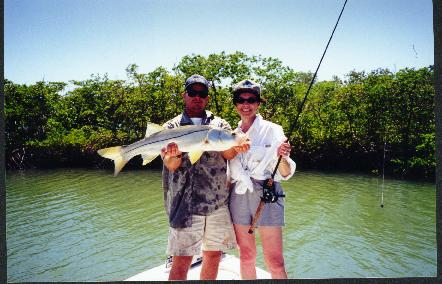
pixel 86 225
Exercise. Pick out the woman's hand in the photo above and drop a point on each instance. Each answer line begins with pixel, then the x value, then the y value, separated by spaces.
pixel 242 148
pixel 235 150
pixel 284 149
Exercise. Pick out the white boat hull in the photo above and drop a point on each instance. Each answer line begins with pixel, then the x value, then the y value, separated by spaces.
pixel 228 270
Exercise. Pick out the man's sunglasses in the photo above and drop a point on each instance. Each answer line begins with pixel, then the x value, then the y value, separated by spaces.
pixel 250 100
pixel 202 94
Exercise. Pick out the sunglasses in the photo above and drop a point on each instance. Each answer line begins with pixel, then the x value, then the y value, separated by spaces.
pixel 250 100
pixel 202 94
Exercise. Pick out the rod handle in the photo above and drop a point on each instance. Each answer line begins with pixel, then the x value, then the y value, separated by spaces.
pixel 256 217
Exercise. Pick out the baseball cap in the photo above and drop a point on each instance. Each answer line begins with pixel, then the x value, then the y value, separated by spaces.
pixel 194 79
pixel 247 86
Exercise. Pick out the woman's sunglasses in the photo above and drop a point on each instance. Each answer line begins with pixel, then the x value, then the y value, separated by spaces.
pixel 250 100
pixel 202 94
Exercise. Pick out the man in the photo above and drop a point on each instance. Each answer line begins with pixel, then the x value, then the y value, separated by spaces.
pixel 196 196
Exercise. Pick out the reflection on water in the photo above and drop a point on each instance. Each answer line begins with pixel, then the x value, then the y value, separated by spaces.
pixel 81 225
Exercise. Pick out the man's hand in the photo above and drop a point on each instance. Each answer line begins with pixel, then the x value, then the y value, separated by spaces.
pixel 171 156
pixel 171 150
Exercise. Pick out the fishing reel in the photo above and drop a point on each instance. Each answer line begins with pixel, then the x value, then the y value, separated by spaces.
pixel 269 194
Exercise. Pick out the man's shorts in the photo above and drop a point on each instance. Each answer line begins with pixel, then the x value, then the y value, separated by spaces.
pixel 213 232
pixel 243 207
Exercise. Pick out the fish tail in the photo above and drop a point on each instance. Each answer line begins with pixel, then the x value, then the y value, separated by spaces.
pixel 115 154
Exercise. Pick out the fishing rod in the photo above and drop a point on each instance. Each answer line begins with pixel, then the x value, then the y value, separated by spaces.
pixel 269 192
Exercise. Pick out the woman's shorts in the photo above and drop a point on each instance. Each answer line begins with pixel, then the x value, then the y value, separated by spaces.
pixel 243 207
pixel 213 232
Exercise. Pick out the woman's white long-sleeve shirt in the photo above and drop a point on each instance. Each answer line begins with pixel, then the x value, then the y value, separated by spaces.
pixel 260 160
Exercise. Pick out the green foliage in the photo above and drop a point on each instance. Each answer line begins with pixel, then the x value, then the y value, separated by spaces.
pixel 345 124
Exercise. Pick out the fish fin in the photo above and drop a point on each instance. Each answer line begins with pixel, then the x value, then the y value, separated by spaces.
pixel 114 153
pixel 148 158
pixel 153 128
pixel 195 155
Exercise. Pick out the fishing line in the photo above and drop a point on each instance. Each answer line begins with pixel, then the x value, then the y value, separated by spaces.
pixel 292 126
pixel 383 176
pixel 269 194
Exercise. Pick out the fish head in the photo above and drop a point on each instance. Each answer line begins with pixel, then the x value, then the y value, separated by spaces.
pixel 240 138
pixel 221 139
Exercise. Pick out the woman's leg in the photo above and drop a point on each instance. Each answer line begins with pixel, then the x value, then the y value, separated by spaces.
pixel 271 239
pixel 247 251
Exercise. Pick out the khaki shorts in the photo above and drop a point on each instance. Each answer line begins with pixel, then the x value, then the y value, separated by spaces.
pixel 213 232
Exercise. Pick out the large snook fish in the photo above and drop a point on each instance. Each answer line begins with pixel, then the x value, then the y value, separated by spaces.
pixel 194 139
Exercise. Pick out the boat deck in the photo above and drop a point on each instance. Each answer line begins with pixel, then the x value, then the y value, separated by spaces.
pixel 228 270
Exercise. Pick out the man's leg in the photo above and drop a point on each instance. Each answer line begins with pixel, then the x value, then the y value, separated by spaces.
pixel 209 269
pixel 219 236
pixel 180 267
pixel 183 244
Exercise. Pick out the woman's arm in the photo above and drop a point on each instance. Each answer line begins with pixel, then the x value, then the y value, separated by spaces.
pixel 232 152
pixel 284 166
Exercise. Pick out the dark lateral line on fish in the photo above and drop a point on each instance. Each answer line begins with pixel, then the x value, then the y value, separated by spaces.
pixel 166 139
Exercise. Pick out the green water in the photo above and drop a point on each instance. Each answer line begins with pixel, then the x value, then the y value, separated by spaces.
pixel 84 225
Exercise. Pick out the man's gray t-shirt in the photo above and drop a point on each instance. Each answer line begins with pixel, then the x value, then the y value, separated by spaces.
pixel 199 188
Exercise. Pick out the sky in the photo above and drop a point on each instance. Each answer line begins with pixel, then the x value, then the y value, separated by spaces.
pixel 63 40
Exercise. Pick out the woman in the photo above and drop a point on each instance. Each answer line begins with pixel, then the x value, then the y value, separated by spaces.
pixel 248 172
